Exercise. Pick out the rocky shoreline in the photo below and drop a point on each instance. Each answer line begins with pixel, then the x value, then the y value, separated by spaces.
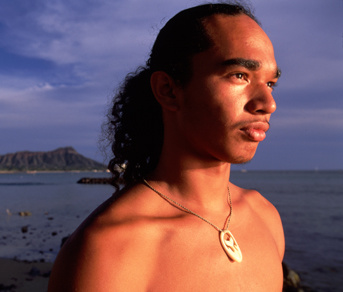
pixel 20 276
pixel 24 275
pixel 34 276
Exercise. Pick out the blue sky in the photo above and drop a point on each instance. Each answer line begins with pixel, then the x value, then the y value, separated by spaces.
pixel 60 62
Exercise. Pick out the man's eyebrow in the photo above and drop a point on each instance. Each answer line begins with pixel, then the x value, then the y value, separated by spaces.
pixel 249 64
pixel 278 73
pixel 246 63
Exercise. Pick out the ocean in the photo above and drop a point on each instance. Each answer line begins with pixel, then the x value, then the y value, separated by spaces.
pixel 310 204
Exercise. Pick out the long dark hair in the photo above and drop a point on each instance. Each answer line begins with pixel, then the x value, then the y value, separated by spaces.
pixel 135 126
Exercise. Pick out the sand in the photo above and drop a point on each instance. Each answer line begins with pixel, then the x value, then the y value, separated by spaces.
pixel 23 276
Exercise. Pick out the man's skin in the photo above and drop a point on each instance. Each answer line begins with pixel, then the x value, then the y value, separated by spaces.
pixel 140 242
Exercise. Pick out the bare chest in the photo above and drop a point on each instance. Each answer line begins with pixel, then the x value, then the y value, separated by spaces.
pixel 194 260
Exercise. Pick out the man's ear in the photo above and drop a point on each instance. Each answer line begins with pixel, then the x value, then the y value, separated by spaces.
pixel 164 90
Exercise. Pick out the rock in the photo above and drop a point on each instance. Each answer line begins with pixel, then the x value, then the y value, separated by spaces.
pixel 89 180
pixel 64 239
pixel 24 213
pixel 24 229
pixel 34 272
pixel 292 281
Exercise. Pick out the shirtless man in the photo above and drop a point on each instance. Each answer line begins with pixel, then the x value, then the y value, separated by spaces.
pixel 212 71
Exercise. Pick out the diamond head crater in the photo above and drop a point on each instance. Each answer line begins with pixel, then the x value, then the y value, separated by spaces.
pixel 61 159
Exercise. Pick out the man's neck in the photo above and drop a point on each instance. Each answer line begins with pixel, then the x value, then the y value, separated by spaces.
pixel 198 184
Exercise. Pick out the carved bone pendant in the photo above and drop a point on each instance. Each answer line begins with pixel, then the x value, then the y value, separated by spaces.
pixel 230 246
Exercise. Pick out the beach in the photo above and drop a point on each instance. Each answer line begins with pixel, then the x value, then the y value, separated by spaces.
pixel 24 276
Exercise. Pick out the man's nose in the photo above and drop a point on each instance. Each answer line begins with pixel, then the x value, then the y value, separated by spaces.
pixel 262 101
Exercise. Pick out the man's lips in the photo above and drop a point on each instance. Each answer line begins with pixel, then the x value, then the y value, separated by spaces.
pixel 256 131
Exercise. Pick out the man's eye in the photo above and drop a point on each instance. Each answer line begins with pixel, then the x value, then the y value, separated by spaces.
pixel 272 85
pixel 240 75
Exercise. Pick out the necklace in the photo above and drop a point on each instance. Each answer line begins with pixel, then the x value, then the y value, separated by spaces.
pixel 227 240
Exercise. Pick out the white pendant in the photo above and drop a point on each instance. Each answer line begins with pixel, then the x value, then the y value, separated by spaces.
pixel 230 246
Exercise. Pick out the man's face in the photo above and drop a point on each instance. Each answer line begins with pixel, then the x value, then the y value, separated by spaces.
pixel 227 104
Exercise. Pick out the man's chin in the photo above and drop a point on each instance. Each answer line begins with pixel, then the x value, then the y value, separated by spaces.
pixel 246 157
pixel 242 161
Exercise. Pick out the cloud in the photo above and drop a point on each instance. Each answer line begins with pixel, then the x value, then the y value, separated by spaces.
pixel 307 36
pixel 72 32
pixel 62 59
pixel 318 119
pixel 90 39
pixel 41 105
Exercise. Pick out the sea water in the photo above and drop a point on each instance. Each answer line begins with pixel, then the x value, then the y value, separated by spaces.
pixel 309 202
pixel 55 205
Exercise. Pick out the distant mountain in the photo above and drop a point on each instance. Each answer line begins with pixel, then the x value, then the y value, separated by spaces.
pixel 60 159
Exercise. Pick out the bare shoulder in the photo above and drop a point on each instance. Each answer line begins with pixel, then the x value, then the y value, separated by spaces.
pixel 109 249
pixel 266 211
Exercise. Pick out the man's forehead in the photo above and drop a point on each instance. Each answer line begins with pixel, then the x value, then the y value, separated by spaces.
pixel 239 40
pixel 218 24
